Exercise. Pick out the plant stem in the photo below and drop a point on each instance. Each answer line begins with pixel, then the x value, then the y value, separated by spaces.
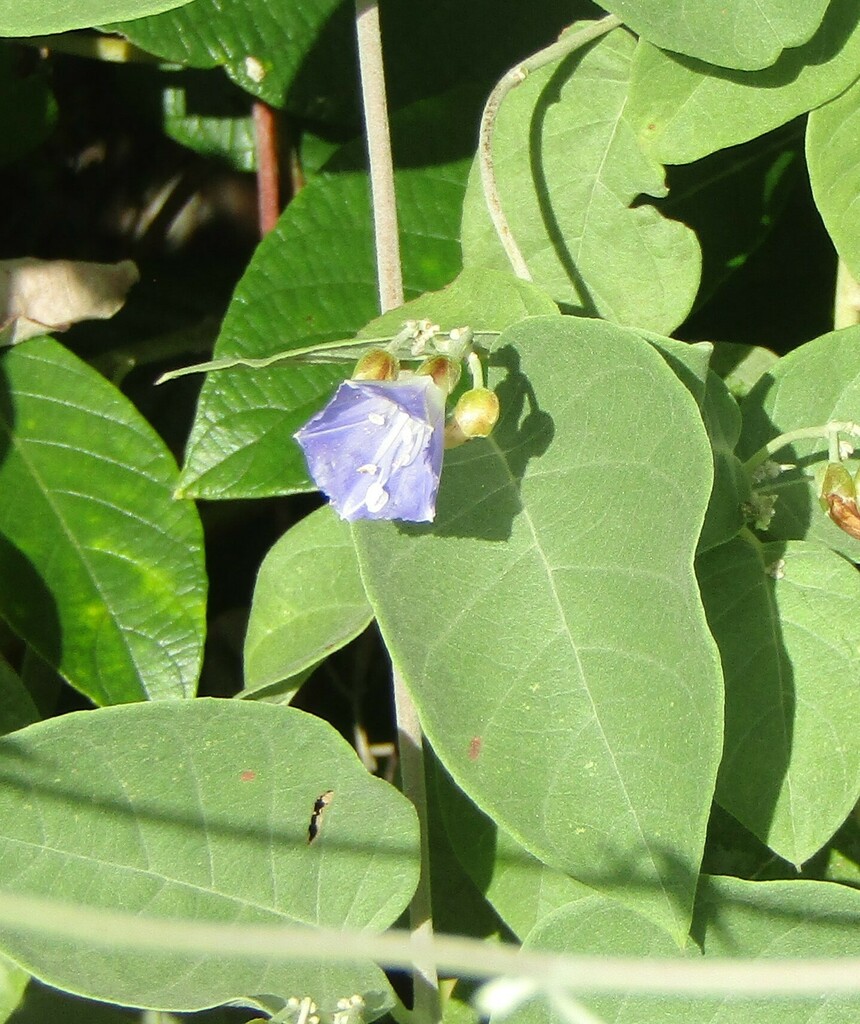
pixel 90 927
pixel 426 1007
pixel 268 176
pixel 825 430
pixel 388 273
pixel 567 44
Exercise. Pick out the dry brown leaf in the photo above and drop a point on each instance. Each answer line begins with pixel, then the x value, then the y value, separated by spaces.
pixel 45 296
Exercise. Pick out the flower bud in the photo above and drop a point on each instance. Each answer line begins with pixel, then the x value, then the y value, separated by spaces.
pixel 474 415
pixel 377 364
pixel 444 371
pixel 839 499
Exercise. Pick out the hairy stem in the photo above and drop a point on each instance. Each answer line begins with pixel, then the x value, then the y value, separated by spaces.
pixel 510 80
pixel 388 273
pixel 390 280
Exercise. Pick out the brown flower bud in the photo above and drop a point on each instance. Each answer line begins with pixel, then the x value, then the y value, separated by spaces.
pixel 377 364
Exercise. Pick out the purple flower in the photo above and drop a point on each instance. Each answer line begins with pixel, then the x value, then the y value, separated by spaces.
pixel 376 448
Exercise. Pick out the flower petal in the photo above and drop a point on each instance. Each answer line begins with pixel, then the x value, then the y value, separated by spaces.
pixel 376 448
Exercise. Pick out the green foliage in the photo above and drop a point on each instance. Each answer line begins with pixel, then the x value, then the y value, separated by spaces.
pixel 33 17
pixel 201 810
pixel 551 494
pixel 682 110
pixel 629 633
pixel 102 570
pixel 780 919
pixel 835 171
pixel 309 601
pixel 746 34
pixel 568 196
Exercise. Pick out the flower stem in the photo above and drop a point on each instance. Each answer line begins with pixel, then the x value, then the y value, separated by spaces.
pixel 390 280
pixel 567 44
pixel 827 431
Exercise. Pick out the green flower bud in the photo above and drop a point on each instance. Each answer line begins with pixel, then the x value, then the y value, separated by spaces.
pixel 377 364
pixel 444 371
pixel 474 415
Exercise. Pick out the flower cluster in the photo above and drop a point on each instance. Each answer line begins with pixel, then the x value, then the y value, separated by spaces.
pixel 376 449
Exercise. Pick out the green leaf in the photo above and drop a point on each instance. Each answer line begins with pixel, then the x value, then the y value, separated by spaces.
pixel 485 300
pixel 746 34
pixel 731 489
pixel 204 112
pixel 682 109
pixel 35 17
pixel 733 918
pixel 313 279
pixel 17 708
pixel 568 169
pixel 741 366
pixel 308 601
pixel 301 53
pixel 13 981
pixel 199 810
pixel 102 569
pixel 813 385
pixel 784 617
pixel 834 170
pixel 565 718
pixel 520 888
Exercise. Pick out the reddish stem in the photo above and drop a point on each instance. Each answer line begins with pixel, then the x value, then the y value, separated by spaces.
pixel 268 172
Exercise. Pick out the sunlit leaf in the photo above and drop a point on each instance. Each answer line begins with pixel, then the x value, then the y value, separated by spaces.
pixel 681 110
pixel 745 34
pixel 564 716
pixel 569 168
pixel 200 810
pixel 783 615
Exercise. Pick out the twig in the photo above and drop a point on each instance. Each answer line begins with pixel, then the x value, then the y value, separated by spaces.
pixel 509 81
pixel 426 1007
pixel 268 175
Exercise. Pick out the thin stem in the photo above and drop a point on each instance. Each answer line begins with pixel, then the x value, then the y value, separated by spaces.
pixel 268 172
pixel 567 44
pixel 460 957
pixel 826 431
pixel 388 273
pixel 390 281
